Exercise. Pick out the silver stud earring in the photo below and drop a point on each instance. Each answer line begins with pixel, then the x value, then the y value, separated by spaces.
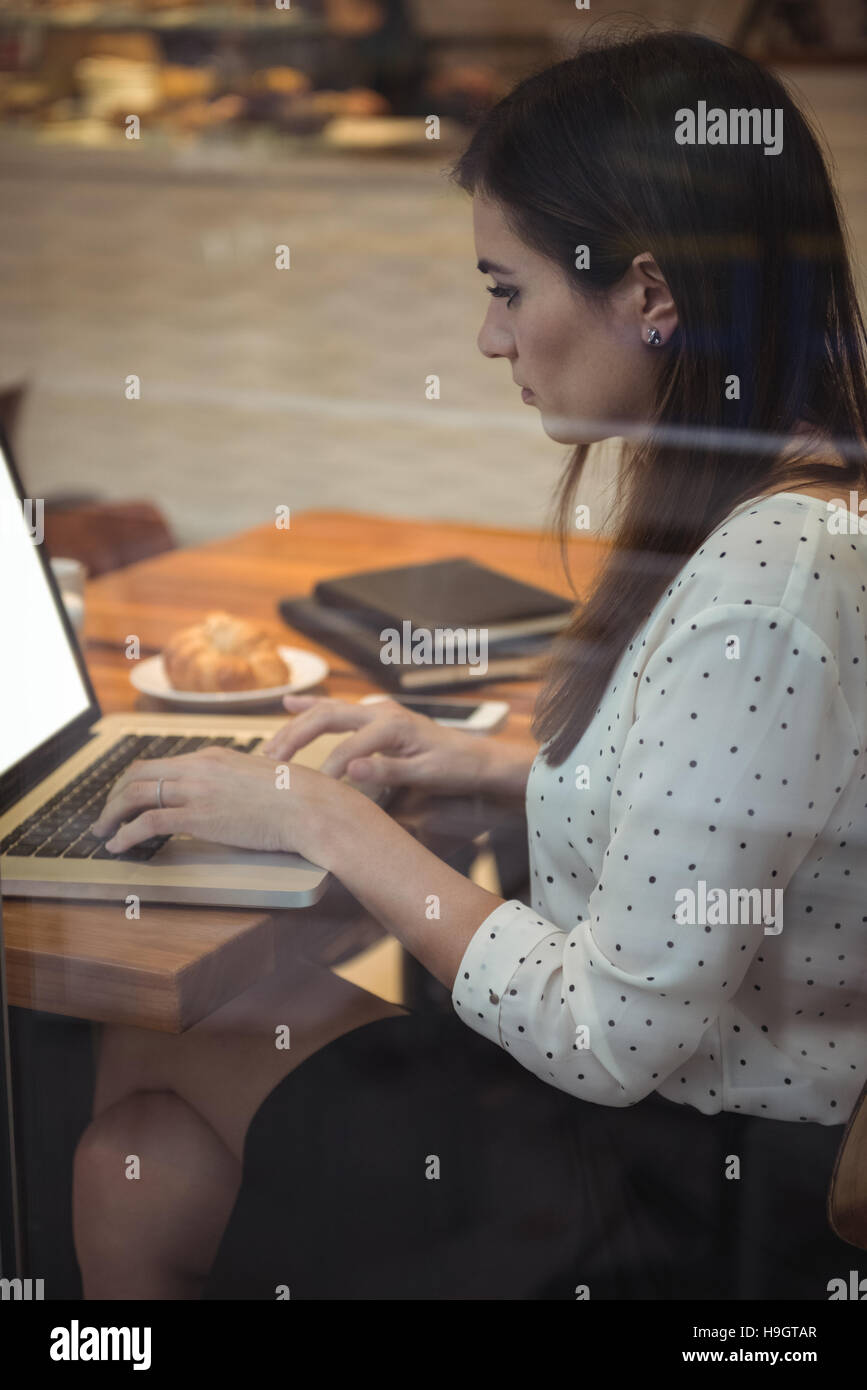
pixel 654 337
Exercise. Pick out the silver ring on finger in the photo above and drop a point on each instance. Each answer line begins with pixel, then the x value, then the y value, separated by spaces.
pixel 160 793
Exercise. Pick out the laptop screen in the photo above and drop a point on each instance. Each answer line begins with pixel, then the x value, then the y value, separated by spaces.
pixel 41 687
pixel 10 1232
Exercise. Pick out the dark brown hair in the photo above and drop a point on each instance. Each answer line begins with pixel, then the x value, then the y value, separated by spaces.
pixel 753 250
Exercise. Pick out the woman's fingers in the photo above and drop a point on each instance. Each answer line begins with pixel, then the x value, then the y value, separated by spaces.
pixel 324 717
pixel 376 737
pixel 135 796
pixel 151 769
pixel 174 820
pixel 384 772
pixel 141 795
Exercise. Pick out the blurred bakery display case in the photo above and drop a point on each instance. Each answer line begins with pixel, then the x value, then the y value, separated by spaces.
pixel 361 72
pixel 358 72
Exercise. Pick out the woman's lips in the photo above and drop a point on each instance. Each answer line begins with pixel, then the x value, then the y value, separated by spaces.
pixel 526 394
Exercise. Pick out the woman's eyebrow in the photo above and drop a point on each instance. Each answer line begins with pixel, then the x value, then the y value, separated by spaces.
pixel 490 268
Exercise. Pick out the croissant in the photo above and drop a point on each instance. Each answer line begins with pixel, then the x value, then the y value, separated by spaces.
pixel 223 653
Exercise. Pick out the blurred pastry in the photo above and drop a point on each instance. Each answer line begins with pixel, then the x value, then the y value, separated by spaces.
pixel 356 101
pixel 110 86
pixel 224 653
pixel 179 83
pixel 285 81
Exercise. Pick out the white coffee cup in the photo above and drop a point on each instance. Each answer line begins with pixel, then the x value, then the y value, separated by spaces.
pixel 70 575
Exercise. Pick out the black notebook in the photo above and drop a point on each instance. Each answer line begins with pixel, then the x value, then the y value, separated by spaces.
pixel 456 593
pixel 349 614
pixel 522 658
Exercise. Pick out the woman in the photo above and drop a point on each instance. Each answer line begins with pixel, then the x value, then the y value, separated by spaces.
pixel 643 1085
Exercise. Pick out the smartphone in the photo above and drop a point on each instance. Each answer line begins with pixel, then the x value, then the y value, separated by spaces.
pixel 481 717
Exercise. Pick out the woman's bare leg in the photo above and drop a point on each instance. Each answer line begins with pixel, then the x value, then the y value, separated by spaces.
pixel 155 1233
pixel 225 1066
pixel 181 1105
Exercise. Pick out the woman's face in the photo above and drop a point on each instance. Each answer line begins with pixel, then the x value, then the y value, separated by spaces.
pixel 584 363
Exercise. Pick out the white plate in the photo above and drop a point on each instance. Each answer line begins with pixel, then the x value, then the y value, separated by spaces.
pixel 308 669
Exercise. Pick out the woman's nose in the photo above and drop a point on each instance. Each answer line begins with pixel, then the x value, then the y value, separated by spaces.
pixel 495 340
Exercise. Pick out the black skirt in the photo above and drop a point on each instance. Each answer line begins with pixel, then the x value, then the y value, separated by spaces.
pixel 413 1159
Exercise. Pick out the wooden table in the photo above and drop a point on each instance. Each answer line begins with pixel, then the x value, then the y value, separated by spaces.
pixel 177 964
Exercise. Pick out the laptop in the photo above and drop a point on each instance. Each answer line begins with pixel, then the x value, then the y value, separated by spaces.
pixel 11 1234
pixel 59 757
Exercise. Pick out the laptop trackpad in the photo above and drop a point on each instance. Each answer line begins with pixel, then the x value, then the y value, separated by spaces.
pixel 187 852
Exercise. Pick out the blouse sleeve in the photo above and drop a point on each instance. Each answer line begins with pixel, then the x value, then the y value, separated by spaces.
pixel 728 773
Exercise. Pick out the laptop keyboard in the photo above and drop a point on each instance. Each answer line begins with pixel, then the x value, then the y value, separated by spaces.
pixel 61 827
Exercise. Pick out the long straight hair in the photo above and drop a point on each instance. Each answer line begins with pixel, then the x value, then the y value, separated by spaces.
pixel 753 249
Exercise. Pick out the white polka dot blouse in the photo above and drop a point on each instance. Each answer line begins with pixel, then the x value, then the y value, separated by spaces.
pixel 698 872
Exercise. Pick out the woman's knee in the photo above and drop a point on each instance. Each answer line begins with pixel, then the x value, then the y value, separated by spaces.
pixel 151 1144
pixel 153 1189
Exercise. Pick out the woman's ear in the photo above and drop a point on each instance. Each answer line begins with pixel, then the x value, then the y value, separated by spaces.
pixel 657 309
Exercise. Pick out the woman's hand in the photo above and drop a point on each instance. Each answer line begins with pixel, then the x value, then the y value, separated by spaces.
pixel 222 795
pixel 411 749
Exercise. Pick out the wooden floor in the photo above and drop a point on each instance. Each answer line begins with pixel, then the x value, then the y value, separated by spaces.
pixel 259 388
